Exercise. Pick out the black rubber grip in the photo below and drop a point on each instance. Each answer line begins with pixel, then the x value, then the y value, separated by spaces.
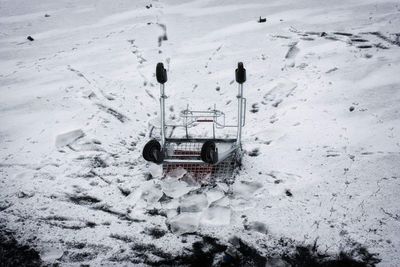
pixel 161 73
pixel 240 73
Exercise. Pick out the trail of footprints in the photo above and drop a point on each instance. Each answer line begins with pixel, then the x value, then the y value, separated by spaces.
pixel 362 40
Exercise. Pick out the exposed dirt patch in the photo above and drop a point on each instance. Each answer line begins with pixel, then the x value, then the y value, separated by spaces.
pixel 14 254
pixel 310 256
pixel 210 251
pixel 155 232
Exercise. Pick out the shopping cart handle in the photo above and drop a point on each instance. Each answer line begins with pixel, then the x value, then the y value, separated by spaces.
pixel 240 73
pixel 161 73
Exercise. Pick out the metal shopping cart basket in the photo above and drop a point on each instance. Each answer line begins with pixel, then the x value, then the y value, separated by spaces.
pixel 202 159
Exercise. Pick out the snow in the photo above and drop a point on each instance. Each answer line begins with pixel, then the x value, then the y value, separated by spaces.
pixel 80 101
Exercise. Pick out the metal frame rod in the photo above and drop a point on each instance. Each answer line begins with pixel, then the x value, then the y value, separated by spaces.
pixel 162 114
pixel 197 140
pixel 221 157
pixel 214 114
pixel 183 161
pixel 240 113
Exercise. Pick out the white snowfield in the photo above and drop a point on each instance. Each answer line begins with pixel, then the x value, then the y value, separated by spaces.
pixel 322 134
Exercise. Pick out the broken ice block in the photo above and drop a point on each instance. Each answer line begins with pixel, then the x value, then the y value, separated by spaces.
pixel 68 138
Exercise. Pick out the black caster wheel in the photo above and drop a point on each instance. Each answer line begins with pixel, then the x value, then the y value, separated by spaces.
pixel 152 152
pixel 209 152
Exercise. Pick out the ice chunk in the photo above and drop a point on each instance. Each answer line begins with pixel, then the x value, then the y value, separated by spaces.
pixel 175 188
pixel 214 194
pixel 171 213
pixel 219 211
pixel 224 187
pixel 240 203
pixel 171 207
pixel 223 202
pixel 186 222
pixel 193 203
pixel 216 215
pixel 155 170
pixel 151 193
pixel 177 173
pixel 51 254
pixel 68 138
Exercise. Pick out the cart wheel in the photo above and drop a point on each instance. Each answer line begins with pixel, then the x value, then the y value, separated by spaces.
pixel 240 73
pixel 209 152
pixel 152 152
pixel 161 73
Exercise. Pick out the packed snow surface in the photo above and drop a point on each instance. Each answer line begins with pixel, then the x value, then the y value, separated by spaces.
pixel 79 100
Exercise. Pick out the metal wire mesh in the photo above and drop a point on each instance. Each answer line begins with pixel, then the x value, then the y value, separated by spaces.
pixel 183 150
pixel 199 172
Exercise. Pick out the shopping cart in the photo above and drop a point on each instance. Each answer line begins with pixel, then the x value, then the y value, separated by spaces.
pixel 202 159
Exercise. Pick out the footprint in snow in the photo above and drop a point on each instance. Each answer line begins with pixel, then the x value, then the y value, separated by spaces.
pixel 292 51
pixel 254 108
pixel 280 90
pixel 375 39
pixel 254 153
pixel 282 177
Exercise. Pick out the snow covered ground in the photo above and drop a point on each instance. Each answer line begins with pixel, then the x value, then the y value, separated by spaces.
pixel 322 139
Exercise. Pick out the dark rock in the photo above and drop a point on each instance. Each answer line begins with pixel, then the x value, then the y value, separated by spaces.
pixel 262 20
pixel 288 193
